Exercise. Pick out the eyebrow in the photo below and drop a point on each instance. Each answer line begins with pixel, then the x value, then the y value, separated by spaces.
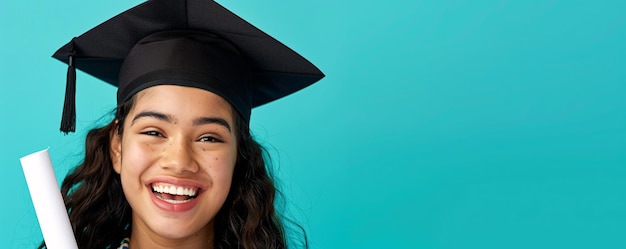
pixel 211 120
pixel 151 114
pixel 170 119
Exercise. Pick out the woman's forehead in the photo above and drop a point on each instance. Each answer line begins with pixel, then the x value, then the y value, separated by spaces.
pixel 182 101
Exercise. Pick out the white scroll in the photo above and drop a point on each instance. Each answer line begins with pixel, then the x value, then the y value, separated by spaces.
pixel 48 202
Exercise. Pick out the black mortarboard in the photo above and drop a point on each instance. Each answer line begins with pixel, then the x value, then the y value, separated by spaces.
pixel 185 42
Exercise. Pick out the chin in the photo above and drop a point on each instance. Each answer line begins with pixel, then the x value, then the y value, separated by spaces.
pixel 176 229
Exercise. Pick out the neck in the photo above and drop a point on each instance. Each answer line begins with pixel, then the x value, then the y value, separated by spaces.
pixel 136 242
pixel 144 238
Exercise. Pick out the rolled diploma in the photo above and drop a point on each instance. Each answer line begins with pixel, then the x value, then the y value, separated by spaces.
pixel 48 202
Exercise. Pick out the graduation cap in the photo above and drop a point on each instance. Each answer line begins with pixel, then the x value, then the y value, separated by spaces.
pixel 195 43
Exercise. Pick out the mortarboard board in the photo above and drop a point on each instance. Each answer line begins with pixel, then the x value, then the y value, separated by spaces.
pixel 194 43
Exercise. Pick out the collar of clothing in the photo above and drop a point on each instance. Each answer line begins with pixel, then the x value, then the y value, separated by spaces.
pixel 124 244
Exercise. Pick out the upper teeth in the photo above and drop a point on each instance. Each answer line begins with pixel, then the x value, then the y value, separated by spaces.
pixel 174 190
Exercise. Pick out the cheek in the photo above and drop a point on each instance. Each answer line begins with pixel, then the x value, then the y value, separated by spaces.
pixel 136 158
pixel 220 161
pixel 221 168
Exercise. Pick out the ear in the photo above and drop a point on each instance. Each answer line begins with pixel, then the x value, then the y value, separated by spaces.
pixel 115 140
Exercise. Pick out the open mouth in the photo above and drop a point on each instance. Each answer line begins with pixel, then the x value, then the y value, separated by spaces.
pixel 174 194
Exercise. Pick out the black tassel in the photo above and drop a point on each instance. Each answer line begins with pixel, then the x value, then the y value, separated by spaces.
pixel 68 120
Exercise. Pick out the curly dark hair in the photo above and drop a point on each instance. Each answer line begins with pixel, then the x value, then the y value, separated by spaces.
pixel 101 216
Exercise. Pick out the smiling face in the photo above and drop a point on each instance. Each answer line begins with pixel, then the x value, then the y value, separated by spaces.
pixel 176 159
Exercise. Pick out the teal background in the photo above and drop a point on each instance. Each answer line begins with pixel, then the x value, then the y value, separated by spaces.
pixel 441 124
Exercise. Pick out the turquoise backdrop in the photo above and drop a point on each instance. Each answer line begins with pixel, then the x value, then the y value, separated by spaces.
pixel 441 124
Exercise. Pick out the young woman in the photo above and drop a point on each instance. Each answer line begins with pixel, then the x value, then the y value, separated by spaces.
pixel 177 167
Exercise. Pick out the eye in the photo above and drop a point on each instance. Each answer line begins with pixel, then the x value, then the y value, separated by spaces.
pixel 153 133
pixel 210 139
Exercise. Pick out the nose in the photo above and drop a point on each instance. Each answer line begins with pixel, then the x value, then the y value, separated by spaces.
pixel 178 157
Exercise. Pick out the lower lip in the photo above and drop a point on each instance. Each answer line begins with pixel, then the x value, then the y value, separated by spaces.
pixel 170 207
